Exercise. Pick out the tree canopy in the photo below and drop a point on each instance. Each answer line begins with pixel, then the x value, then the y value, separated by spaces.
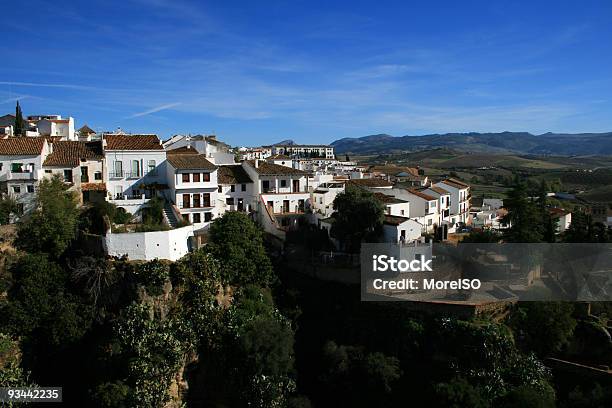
pixel 237 243
pixel 359 215
pixel 52 226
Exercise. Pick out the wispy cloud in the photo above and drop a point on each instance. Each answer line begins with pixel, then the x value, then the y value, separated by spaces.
pixel 47 85
pixel 154 110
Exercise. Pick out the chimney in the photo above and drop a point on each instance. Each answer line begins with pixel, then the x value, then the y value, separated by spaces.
pixel 256 163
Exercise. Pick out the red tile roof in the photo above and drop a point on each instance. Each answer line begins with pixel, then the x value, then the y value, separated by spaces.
pixel 421 194
pixel 93 187
pixel 395 219
pixel 132 142
pixel 69 154
pixel 232 174
pixel 455 183
pixel 27 146
pixel 190 161
pixel 270 169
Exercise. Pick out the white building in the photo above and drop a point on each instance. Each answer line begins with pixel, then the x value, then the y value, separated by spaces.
pixel 21 167
pixel 136 169
pixel 398 229
pixel 301 151
pixel 214 150
pixel 253 153
pixel 460 199
pixel 55 126
pixel 280 192
pixel 562 217
pixel 393 206
pixel 323 198
pixel 236 189
pixel 81 164
pixel 423 206
pixel 192 182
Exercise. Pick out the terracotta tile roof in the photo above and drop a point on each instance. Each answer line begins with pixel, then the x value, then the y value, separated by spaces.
pixel 455 183
pixel 370 182
pixel 387 199
pixel 86 130
pixel 232 175
pixel 132 142
pixel 93 187
pixel 69 154
pixel 270 169
pixel 393 170
pixel 190 161
pixel 421 194
pixel 182 150
pixel 558 212
pixel 28 146
pixel 439 190
pixel 394 219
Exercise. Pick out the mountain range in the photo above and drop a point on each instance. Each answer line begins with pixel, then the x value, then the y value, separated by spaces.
pixel 561 144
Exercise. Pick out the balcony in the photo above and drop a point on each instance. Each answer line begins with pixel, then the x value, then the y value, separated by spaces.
pixel 17 175
pixel 115 175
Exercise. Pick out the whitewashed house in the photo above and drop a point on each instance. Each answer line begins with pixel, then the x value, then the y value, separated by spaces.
pixel 214 150
pixel 235 189
pixel 563 218
pixel 192 182
pixel 398 229
pixel 460 199
pixel 136 169
pixel 21 167
pixel 393 206
pixel 323 198
pixel 281 193
pixel 444 204
pixel 423 206
pixel 55 126
pixel 81 164
pixel 301 151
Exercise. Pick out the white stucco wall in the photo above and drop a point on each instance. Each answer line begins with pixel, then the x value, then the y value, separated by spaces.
pixel 146 246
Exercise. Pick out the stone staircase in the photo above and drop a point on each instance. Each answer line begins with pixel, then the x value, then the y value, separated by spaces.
pixel 169 216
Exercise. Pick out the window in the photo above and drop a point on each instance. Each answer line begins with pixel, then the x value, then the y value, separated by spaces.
pixel 118 168
pixel 98 175
pixel 283 183
pixel 196 177
pixel 206 199
pixel 220 189
pixel 196 201
pixel 402 212
pixel 429 221
pixel 205 176
pixel 47 171
pixel 207 217
pixel 243 187
pixel 30 188
pixel 186 217
pixel 151 166
pixel 265 184
pixel 68 176
pixel 229 200
pixel 84 175
pixel 186 201
pixel 185 177
pixel 16 167
pixel 197 218
pixel 1 166
pixel 135 168
pixel 16 189
pixel 232 188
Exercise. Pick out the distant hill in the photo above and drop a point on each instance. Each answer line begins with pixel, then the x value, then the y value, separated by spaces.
pixel 502 143
pixel 287 142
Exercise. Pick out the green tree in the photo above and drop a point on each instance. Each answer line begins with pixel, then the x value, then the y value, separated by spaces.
pixel 40 307
pixel 523 216
pixel 52 226
pixel 582 229
pixel 359 215
pixel 482 237
pixel 19 122
pixel 526 397
pixel 8 206
pixel 459 393
pixel 237 243
pixel 544 327
pixel 358 377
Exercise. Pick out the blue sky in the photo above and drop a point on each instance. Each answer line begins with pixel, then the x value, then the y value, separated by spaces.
pixel 257 72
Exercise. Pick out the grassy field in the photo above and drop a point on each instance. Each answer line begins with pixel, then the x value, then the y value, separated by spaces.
pixel 489 174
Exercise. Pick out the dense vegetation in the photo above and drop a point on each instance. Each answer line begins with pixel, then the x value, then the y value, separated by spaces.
pixel 227 326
